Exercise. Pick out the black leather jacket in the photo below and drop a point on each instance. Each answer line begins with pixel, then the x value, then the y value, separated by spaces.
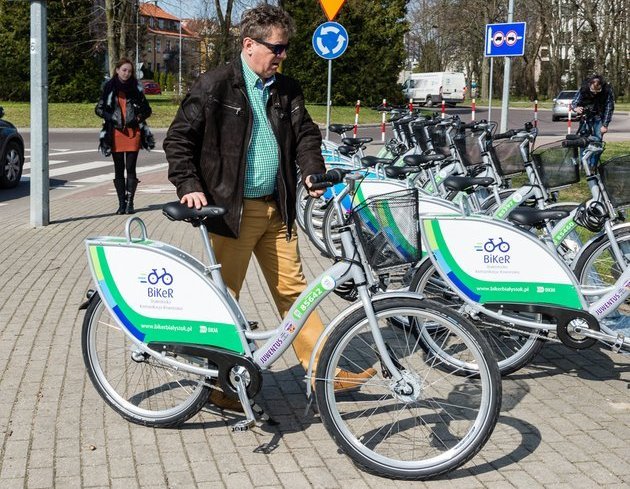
pixel 206 144
pixel 137 108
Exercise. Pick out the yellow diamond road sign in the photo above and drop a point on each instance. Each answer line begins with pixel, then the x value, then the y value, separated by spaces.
pixel 331 7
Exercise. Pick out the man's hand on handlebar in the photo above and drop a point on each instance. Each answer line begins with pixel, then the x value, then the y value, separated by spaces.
pixel 313 193
pixel 194 199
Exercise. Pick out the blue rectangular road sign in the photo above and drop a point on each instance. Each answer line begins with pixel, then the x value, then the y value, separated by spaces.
pixel 505 39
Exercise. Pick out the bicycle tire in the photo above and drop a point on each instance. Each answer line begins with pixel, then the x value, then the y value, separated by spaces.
pixel 313 216
pixel 512 349
pixel 597 267
pixel 450 419
pixel 330 238
pixel 143 391
pixel 300 205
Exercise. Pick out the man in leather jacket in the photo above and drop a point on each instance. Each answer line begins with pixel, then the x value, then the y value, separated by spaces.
pixel 237 141
pixel 595 101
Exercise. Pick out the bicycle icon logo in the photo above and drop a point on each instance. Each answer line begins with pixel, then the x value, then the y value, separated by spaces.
pixel 165 277
pixel 489 246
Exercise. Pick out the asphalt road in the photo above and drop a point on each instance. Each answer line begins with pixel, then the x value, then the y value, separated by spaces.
pixel 76 164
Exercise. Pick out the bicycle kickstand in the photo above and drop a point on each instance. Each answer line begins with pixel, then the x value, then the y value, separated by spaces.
pixel 250 419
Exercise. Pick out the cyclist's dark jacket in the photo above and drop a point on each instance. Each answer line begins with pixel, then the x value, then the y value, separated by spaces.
pixel 602 103
pixel 206 144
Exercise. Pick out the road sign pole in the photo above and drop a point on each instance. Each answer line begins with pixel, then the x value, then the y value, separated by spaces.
pixel 506 77
pixel 328 101
pixel 490 91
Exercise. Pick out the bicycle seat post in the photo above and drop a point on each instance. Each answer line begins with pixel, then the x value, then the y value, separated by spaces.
pixel 213 268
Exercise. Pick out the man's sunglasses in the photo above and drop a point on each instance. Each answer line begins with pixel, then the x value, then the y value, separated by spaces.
pixel 276 49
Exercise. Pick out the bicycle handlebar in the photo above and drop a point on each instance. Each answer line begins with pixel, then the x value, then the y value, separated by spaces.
pixel 576 143
pixel 504 135
pixel 331 177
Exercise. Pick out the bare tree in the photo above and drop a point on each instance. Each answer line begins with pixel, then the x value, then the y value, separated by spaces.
pixel 119 15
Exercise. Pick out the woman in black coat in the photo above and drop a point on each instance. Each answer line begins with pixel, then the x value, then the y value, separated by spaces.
pixel 124 108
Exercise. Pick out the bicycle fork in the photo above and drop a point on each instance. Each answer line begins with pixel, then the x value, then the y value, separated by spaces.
pixel 391 365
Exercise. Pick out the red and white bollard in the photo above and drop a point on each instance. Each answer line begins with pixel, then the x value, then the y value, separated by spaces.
pixel 535 113
pixel 357 107
pixel 411 105
pixel 443 109
pixel 473 110
pixel 569 122
pixel 383 121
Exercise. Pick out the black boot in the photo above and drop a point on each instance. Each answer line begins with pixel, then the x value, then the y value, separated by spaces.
pixel 132 184
pixel 119 185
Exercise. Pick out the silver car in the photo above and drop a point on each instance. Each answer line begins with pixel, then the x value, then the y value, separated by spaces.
pixel 560 109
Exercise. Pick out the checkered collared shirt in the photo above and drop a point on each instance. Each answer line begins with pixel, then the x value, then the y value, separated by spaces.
pixel 263 153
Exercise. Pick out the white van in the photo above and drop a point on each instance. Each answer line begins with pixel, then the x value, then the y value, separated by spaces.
pixel 431 88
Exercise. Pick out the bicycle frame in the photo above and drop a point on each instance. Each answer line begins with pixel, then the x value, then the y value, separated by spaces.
pixel 211 316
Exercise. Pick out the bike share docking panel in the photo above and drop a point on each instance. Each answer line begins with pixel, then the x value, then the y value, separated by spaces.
pixel 490 261
pixel 159 294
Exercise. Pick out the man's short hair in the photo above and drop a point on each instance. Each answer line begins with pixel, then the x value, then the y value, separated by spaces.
pixel 257 22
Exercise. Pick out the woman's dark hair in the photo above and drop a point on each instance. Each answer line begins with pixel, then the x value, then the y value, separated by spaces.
pixel 257 22
pixel 124 61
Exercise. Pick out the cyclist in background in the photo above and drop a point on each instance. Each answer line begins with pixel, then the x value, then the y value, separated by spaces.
pixel 596 101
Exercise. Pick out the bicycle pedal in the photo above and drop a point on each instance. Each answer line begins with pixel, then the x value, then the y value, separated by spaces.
pixel 253 325
pixel 243 425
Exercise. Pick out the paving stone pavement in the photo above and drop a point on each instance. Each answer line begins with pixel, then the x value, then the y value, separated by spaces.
pixel 565 421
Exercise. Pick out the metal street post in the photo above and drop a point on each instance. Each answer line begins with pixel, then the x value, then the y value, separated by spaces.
pixel 328 101
pixel 39 184
pixel 179 82
pixel 506 77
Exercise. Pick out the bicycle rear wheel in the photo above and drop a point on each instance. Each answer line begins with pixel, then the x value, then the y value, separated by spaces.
pixel 137 386
pixel 513 348
pixel 440 424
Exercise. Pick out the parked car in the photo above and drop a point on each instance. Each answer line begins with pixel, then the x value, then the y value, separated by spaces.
pixel 11 154
pixel 560 109
pixel 151 88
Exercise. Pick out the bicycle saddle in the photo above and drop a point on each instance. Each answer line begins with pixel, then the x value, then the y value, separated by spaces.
pixel 180 212
pixel 372 161
pixel 340 128
pixel 347 150
pixel 527 216
pixel 466 183
pixel 423 161
pixel 400 171
pixel 356 141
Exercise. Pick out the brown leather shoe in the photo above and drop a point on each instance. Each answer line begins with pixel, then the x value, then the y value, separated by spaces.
pixel 347 381
pixel 220 400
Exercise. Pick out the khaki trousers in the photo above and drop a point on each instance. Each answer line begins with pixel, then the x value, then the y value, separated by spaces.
pixel 263 233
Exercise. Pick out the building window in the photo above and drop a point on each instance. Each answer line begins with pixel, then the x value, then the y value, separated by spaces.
pixel 168 45
pixel 161 23
pixel 149 47
pixel 158 45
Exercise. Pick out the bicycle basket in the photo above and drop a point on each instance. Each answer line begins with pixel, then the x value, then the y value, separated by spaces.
pixel 468 147
pixel 388 228
pixel 438 138
pixel 615 174
pixel 507 157
pixel 557 166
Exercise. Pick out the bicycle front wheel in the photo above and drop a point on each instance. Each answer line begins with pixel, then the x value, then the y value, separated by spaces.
pixel 137 386
pixel 599 267
pixel 430 423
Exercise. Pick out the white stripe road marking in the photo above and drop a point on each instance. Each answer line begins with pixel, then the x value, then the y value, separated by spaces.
pixel 27 166
pixel 79 151
pixel 64 153
pixel 110 176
